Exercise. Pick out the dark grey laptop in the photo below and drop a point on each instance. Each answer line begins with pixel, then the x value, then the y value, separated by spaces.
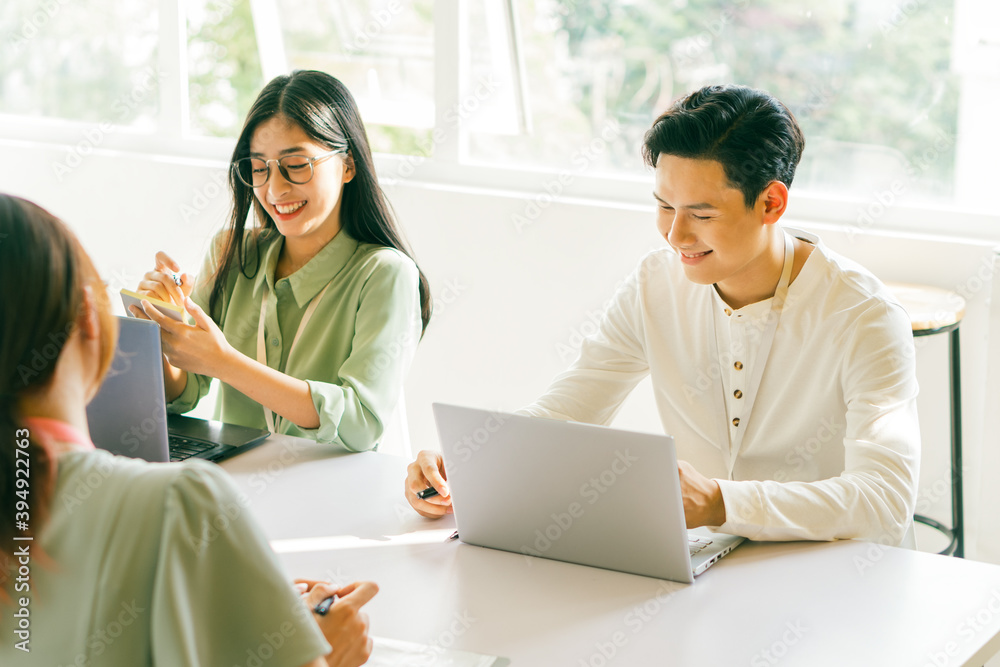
pixel 128 415
pixel 573 492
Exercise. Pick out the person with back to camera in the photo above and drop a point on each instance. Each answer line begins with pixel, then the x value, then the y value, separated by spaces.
pixel 784 371
pixel 310 319
pixel 115 560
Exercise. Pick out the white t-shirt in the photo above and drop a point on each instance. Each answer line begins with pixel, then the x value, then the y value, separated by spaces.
pixel 831 447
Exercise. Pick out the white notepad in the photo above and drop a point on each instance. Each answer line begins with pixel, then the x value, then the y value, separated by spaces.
pixel 397 653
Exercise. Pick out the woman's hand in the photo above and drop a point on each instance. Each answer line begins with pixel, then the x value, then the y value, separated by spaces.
pixel 201 348
pixel 345 626
pixel 427 471
pixel 159 283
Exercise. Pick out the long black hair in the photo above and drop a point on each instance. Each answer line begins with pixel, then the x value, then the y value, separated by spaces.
pixel 47 270
pixel 326 111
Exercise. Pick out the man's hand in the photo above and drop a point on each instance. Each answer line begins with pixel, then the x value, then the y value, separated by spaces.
pixel 703 504
pixel 427 471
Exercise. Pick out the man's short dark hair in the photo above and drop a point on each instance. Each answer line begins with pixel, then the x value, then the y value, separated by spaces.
pixel 753 135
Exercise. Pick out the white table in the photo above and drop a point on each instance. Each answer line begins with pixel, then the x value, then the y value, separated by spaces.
pixel 344 518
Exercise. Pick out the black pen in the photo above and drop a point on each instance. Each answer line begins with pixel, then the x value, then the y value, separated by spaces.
pixel 324 605
pixel 429 492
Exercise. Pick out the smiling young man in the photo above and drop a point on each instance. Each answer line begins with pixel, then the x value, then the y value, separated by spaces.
pixel 784 371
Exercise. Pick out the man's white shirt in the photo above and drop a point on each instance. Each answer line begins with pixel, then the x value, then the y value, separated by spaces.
pixel 831 445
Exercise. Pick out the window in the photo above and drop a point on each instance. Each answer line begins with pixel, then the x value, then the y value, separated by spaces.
pixel 224 71
pixel 896 97
pixel 382 50
pixel 94 61
pixel 871 83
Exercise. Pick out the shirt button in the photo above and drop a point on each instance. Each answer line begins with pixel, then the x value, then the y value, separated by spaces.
pixel 738 365
pixel 728 312
pixel 736 421
pixel 738 394
pixel 274 342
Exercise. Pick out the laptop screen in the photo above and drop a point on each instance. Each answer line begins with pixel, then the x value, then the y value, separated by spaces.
pixel 128 415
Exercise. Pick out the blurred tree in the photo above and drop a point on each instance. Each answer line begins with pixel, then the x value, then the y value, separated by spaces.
pixel 870 81
pixel 856 74
pixel 94 62
pixel 223 66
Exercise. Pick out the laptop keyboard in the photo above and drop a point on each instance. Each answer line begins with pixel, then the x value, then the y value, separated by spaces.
pixel 184 448
pixel 698 544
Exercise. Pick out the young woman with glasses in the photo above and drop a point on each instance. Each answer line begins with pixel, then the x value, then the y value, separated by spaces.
pixel 310 318
pixel 106 560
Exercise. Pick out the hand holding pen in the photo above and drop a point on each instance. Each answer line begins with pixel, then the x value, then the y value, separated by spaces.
pixel 427 488
pixel 338 613
pixel 166 282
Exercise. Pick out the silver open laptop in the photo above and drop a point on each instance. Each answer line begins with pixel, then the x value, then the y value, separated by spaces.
pixel 128 415
pixel 572 492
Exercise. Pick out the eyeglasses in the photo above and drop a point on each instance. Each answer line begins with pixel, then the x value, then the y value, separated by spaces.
pixel 298 169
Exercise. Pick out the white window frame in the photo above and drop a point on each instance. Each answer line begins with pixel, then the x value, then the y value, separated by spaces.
pixel 449 166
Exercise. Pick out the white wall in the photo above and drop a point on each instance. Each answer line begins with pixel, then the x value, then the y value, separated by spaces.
pixel 513 300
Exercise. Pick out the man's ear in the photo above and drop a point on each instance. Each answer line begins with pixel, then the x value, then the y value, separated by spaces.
pixel 775 199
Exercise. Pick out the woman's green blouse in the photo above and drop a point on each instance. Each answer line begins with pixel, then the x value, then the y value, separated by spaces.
pixel 354 352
